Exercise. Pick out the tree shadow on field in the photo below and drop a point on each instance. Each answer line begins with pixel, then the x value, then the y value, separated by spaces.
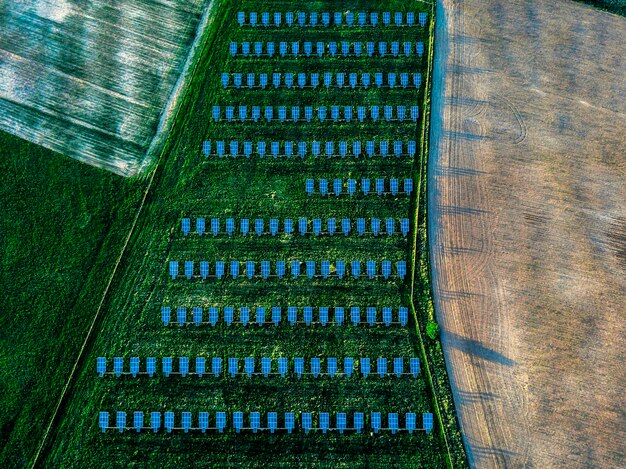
pixel 472 397
pixel 455 210
pixel 503 456
pixel 455 171
pixel 475 348
pixel 454 135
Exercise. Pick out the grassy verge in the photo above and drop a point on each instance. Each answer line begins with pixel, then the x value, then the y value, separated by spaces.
pixel 614 6
pixel 61 222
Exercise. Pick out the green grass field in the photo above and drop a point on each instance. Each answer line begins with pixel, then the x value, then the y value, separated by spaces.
pixel 61 222
pixel 187 184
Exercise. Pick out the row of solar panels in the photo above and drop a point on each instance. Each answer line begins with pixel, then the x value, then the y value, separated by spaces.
pixel 288 149
pixel 312 80
pixel 307 422
pixel 249 369
pixel 394 184
pixel 336 113
pixel 344 48
pixel 351 19
pixel 339 313
pixel 279 270
pixel 303 224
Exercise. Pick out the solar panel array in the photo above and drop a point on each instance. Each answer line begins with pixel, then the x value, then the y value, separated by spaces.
pixel 393 49
pixel 326 19
pixel 275 226
pixel 266 421
pixel 278 268
pixel 292 114
pixel 314 148
pixel 382 186
pixel 312 81
pixel 292 315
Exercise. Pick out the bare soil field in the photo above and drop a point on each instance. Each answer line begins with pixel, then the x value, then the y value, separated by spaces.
pixel 527 225
pixel 92 80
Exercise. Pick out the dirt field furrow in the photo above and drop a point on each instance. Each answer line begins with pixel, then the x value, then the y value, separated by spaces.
pixel 527 191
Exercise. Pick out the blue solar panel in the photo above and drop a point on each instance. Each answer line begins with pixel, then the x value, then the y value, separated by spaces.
pixel 230 110
pixel 101 366
pixel 358 421
pixel 370 49
pixel 234 269
pixel 244 226
pixel 422 19
pixel 365 367
pixel 249 269
pixel 220 421
pixel 371 315
pixel 173 269
pixel 265 269
pixel 371 269
pixel 324 421
pixel 266 366
pixel 244 315
pixel 381 366
pixel 330 148
pixel 200 366
pixel 375 225
pixel 203 421
pixel 317 226
pixel 233 52
pixel 325 269
pixel 258 48
pixel 151 366
pixel 289 145
pixel 403 316
pixel 188 269
pixel 186 421
pixel 374 113
pixel 386 268
pixel 238 421
pixel 295 268
pixel 386 18
pixel 339 315
pixel 355 315
pixel 249 366
pixel 414 113
pixel 345 226
pixel 428 422
pixel 103 421
pixel 270 49
pixel 186 226
pixel 315 367
pixel 181 316
pixel 382 48
pixel 392 423
pixel 289 421
pixel 272 421
pixel 277 18
pixel 245 48
pixel 120 421
pixel 325 19
pixel 332 226
pixel 216 366
pixel 390 226
pixel 375 421
pixel 356 268
pixel 166 364
pixel 340 267
pixel 348 366
pixel 398 366
pixel 321 113
pixel 301 18
pixel 155 421
pixel 351 186
pixel 310 269
pixel 388 113
pixel 323 186
pixel 404 226
pixel 410 18
pixel 288 226
pixel 134 366
pixel 331 365
pixel 228 314
pixel 204 269
pixel 306 422
pixel 282 366
pixel 302 226
pixel 410 422
pixel 387 316
pixel 308 315
pixel 260 315
pixel 414 365
pixel 345 50
pixel 360 226
pixel 276 312
pixel 118 366
pixel 233 366
pixel 165 315
pixel 401 266
pixel 219 269
pixel 256 113
pixel 340 79
pixel 298 366
pixel 206 148
pixel 358 49
pixel 323 311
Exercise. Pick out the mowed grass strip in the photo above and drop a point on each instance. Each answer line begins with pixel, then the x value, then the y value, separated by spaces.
pixel 188 184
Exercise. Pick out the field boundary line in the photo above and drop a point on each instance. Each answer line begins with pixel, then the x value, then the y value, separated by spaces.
pixel 88 338
pixel 422 168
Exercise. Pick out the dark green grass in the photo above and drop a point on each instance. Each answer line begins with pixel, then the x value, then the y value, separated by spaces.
pixel 62 226
pixel 187 184
pixel 614 6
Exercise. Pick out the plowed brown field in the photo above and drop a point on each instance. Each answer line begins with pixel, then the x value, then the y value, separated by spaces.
pixel 527 223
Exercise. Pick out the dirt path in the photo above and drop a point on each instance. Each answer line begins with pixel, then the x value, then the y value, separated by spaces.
pixel 527 228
